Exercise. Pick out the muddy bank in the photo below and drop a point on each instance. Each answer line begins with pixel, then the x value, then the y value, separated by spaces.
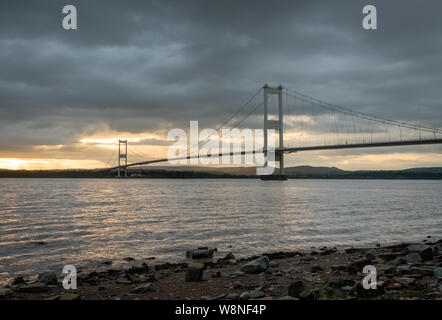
pixel 404 271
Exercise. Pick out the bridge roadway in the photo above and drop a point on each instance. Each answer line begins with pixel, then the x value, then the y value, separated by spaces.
pixel 299 149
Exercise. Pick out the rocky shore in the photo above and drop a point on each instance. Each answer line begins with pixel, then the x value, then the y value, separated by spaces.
pixel 404 271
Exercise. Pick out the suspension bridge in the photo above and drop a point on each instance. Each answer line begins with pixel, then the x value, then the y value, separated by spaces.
pixel 302 123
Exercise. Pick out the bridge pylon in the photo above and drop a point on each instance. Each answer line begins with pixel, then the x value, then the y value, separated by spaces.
pixel 122 154
pixel 277 125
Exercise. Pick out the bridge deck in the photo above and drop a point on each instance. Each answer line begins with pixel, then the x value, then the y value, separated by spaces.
pixel 299 149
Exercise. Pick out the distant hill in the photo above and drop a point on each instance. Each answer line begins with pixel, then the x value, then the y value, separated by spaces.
pixel 195 172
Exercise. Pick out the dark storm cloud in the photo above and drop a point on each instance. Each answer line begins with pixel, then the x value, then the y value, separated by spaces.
pixel 152 65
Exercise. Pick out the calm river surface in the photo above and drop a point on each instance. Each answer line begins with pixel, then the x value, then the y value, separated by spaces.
pixel 47 223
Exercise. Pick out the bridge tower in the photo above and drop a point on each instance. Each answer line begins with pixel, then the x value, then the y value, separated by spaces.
pixel 277 125
pixel 122 156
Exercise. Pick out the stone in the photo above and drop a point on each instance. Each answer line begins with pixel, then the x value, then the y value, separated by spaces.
pixel 308 294
pixel 244 296
pixel 424 271
pixel 31 288
pixel 370 255
pixel 47 277
pixel 232 296
pixel 4 292
pixel 316 268
pixel 128 259
pixel 424 251
pixel 347 288
pixel 237 285
pixel 438 272
pixel 357 266
pixel 390 255
pixel 256 266
pixel 202 252
pixel 399 260
pixel 217 297
pixel 18 280
pixel 124 281
pixel 413 258
pixel 340 282
pixel 295 288
pixel 255 294
pixel 194 271
pixel 339 267
pixel 216 274
pixel 143 288
pixel 403 269
pixel 240 274
pixel 385 268
pixel 143 267
pixel 70 296
pixel 229 256
pixel 406 282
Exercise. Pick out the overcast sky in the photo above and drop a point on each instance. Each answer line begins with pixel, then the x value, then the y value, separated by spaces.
pixel 140 68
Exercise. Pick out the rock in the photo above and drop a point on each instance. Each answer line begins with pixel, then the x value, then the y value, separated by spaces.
pixel 340 282
pixel 385 268
pixel 294 271
pixel 240 274
pixel 4 292
pixel 32 287
pixel 194 271
pixel 256 266
pixel 232 296
pixel 399 260
pixel 357 266
pixel 424 251
pixel 370 255
pixel 18 280
pixel 406 282
pixel 295 288
pixel 339 267
pixel 391 256
pixel 70 296
pixel 255 294
pixel 237 285
pixel 423 271
pixel 244 296
pixel 143 288
pixel 107 262
pixel 279 298
pixel 47 277
pixel 124 281
pixel 413 258
pixel 139 268
pixel 438 272
pixel 308 294
pixel 403 269
pixel 217 297
pixel 316 268
pixel 347 288
pixel 216 274
pixel 202 252
pixel 128 259
pixel 229 256
pixel 369 293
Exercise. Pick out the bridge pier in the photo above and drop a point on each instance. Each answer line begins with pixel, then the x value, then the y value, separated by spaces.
pixel 122 156
pixel 277 125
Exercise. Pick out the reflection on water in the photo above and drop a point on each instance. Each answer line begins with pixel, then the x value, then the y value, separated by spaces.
pixel 46 223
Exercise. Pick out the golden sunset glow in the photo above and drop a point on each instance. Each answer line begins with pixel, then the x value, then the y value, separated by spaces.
pixel 47 164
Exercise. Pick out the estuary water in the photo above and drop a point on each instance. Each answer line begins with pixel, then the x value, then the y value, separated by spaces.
pixel 48 223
